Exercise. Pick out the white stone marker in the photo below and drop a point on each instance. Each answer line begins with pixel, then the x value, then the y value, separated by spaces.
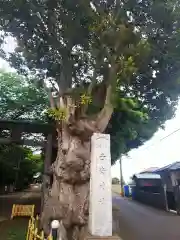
pixel 100 209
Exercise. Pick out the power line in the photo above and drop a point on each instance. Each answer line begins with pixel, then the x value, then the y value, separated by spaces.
pixel 169 134
pixel 162 139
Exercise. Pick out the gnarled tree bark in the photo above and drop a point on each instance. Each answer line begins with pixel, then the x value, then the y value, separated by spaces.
pixel 69 194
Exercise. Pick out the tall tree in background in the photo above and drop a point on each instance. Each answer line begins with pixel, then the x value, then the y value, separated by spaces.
pixel 18 165
pixel 20 98
pixel 107 62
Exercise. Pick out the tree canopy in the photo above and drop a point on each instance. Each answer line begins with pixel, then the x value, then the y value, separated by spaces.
pixel 129 49
pixel 20 98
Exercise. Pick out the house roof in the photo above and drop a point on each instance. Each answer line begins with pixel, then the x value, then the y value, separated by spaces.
pixel 170 167
pixel 149 170
pixel 147 176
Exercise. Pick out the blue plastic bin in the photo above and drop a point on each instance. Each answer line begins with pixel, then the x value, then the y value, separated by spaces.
pixel 126 191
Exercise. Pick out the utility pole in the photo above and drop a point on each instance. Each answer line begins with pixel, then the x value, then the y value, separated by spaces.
pixel 121 176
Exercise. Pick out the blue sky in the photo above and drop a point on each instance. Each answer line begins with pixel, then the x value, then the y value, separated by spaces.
pixel 152 154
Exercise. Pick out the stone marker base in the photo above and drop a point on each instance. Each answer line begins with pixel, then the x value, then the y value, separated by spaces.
pixel 90 237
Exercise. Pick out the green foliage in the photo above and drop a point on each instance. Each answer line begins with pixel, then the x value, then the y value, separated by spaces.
pixel 85 99
pixel 18 165
pixel 14 230
pixel 20 98
pixel 57 114
pixel 70 40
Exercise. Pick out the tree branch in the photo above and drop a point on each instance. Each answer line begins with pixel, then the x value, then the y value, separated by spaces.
pixel 93 82
pixel 89 90
pixel 53 85
pixel 50 96
pixel 105 114
pixel 51 99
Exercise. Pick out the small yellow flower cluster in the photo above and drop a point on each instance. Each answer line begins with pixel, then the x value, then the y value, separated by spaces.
pixel 57 114
pixel 85 99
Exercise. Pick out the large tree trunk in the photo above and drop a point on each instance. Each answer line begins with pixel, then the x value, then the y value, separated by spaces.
pixel 68 196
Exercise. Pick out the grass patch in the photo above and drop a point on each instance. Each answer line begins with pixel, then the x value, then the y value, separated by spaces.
pixel 14 229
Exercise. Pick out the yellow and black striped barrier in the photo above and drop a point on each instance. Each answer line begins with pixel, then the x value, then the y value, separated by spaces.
pixel 22 211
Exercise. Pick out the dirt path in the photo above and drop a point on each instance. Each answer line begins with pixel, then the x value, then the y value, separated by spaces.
pixel 26 197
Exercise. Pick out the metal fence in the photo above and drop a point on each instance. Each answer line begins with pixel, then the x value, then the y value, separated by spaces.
pixel 33 232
